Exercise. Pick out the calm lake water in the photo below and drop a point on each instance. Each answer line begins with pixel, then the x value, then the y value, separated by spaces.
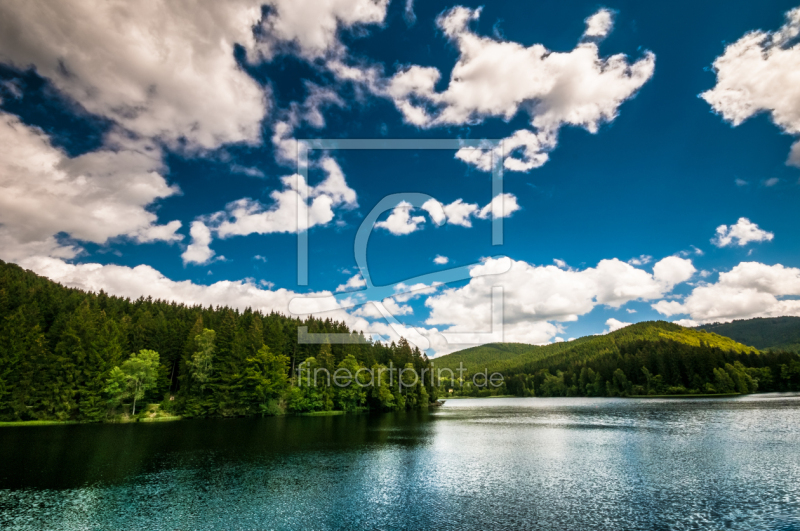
pixel 527 463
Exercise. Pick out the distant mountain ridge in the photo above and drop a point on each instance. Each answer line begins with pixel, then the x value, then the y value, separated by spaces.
pixel 650 358
pixel 519 357
pixel 764 333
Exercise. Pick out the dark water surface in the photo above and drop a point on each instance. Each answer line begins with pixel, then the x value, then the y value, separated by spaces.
pixel 527 463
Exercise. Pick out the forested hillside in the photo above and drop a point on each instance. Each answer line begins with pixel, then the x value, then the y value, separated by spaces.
pixel 68 354
pixel 774 333
pixel 645 358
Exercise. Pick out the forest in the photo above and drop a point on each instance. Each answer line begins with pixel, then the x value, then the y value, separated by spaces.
pixel 648 358
pixel 764 333
pixel 66 354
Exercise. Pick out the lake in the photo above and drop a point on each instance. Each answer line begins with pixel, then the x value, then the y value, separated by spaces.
pixel 473 464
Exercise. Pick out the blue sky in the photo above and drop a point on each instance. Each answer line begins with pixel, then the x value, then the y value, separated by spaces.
pixel 153 159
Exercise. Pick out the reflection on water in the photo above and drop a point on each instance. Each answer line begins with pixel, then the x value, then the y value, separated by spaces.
pixel 529 463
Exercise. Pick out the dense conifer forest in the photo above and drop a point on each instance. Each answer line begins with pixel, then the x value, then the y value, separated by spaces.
pixel 66 354
pixel 764 333
pixel 649 358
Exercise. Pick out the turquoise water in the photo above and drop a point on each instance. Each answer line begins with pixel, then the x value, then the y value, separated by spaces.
pixel 526 463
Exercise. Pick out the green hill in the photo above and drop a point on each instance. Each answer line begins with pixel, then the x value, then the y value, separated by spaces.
pixel 646 358
pixel 483 354
pixel 59 348
pixel 771 333
pixel 498 357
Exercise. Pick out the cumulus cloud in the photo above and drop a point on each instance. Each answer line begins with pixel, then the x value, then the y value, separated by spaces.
pixel 537 298
pixel 160 69
pixel 744 232
pixel 311 28
pixel 458 213
pixel 614 325
pixel 93 197
pixel 198 252
pixel 440 260
pixel 522 151
pixel 758 73
pixel 400 220
pixel 673 270
pixel 167 70
pixel 371 311
pixel 494 78
pixel 501 206
pixel 353 283
pixel 248 216
pixel 750 289
pixel 641 260
pixel 600 24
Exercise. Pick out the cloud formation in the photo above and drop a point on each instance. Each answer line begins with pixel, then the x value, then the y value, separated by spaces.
pixel 249 216
pixel 536 298
pixel 494 78
pixel 744 232
pixel 614 325
pixel 750 289
pixel 94 197
pixel 458 213
pixel 159 69
pixel 758 73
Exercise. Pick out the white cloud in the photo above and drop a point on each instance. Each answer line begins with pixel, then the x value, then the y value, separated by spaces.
pixel 167 70
pixel 600 24
pixel 311 27
pixel 494 78
pixel 440 260
pixel 771 182
pixel 160 69
pixel 740 234
pixel 522 151
pixel 641 260
pixel 353 283
pixel 400 220
pixel 247 216
pixel 371 311
pixel 614 325
pixel 758 73
pixel 740 182
pixel 198 252
pixel 561 264
pixel 750 289
pixel 501 206
pixel 93 197
pixel 405 293
pixel 536 298
pixel 458 212
pixel 673 270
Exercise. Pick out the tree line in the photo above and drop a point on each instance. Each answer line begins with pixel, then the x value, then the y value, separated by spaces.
pixel 66 354
pixel 660 367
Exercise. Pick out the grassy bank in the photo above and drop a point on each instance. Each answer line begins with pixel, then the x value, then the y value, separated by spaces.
pixel 446 398
pixel 37 423
pixel 718 395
